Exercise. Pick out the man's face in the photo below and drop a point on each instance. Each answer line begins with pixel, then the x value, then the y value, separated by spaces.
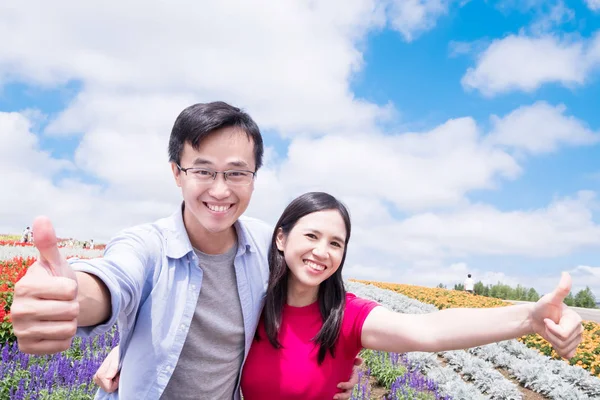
pixel 214 206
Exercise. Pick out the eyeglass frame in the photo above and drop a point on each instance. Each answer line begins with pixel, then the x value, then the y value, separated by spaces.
pixel 215 173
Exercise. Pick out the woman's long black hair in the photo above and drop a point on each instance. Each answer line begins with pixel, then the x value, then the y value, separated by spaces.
pixel 332 295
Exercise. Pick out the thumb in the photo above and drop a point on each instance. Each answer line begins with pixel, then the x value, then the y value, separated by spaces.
pixel 562 290
pixel 45 241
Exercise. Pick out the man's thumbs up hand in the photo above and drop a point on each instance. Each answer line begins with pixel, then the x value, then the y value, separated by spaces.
pixel 47 244
pixel 45 307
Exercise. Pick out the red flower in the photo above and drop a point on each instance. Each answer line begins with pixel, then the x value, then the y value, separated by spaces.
pixel 21 274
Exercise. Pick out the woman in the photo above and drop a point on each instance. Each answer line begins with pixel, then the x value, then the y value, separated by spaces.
pixel 311 329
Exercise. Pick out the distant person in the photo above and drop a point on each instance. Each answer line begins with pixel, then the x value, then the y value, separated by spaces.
pixel 92 244
pixel 469 284
pixel 26 237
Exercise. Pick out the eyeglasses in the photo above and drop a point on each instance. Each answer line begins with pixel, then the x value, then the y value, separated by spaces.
pixel 232 176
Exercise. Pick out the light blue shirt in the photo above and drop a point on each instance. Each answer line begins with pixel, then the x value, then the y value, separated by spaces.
pixel 152 274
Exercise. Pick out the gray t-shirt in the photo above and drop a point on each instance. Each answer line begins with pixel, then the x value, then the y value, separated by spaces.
pixel 213 351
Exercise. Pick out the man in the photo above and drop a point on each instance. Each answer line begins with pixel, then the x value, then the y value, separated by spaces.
pixel 187 291
pixel 469 284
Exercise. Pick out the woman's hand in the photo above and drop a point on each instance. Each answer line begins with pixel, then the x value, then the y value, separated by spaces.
pixel 557 323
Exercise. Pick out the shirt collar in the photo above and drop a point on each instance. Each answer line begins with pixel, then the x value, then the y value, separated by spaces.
pixel 178 241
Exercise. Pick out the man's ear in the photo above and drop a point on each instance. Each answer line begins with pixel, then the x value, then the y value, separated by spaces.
pixel 176 173
pixel 280 239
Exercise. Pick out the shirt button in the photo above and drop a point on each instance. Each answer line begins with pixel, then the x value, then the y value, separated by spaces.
pixel 193 288
pixel 182 327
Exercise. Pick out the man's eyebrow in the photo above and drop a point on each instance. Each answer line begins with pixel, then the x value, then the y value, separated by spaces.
pixel 202 161
pixel 235 163
pixel 238 163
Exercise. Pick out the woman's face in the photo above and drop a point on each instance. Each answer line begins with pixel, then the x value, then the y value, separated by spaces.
pixel 314 248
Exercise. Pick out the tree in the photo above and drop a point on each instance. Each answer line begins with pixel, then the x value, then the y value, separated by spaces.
pixel 520 293
pixel 480 289
pixel 532 295
pixel 569 300
pixel 441 286
pixel 585 298
pixel 459 286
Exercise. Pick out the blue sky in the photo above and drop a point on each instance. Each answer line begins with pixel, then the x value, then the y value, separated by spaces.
pixel 486 171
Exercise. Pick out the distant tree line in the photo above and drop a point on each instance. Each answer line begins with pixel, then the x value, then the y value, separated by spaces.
pixel 584 298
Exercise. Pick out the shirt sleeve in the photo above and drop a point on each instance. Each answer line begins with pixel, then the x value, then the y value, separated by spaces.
pixel 355 314
pixel 127 261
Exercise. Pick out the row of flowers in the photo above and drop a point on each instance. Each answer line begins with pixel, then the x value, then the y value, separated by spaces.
pixel 59 376
pixel 401 377
pixel 61 243
pixel 66 375
pixel 10 272
pixel 588 352
pixel 15 243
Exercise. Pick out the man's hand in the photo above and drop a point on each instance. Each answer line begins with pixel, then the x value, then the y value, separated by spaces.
pixel 347 387
pixel 107 376
pixel 557 323
pixel 45 308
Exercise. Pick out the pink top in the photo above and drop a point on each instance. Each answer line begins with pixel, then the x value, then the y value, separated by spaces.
pixel 292 372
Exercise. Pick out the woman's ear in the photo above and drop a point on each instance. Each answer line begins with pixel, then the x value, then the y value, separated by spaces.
pixel 280 239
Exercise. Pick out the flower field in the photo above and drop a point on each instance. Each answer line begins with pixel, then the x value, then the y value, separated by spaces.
pixel 504 370
pixel 67 375
pixel 498 371
pixel 588 352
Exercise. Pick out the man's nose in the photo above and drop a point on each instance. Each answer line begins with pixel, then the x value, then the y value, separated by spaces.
pixel 219 188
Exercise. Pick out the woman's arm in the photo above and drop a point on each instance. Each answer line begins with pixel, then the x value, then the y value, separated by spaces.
pixel 451 329
pixel 463 328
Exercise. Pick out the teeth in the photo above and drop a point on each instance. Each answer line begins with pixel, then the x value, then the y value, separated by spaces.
pixel 314 266
pixel 218 208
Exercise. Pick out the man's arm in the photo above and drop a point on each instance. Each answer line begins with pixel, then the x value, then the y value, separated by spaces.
pixel 52 299
pixel 94 300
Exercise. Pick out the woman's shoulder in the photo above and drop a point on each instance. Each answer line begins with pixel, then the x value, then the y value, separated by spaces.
pixel 357 305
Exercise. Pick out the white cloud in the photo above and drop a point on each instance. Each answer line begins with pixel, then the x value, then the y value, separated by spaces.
pixel 564 226
pixel 412 17
pixel 540 128
pixel 36 183
pixel 411 171
pixel 594 5
pixel 546 14
pixel 295 61
pixel 585 275
pixel 456 273
pixel 557 15
pixel 20 150
pixel 525 63
pixel 289 67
